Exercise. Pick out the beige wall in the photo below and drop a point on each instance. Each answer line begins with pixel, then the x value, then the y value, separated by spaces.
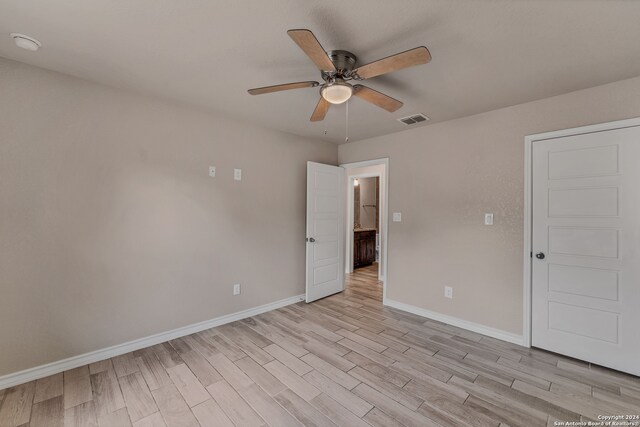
pixel 111 229
pixel 444 177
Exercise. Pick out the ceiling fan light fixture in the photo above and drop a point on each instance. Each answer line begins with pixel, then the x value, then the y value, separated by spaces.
pixel 337 92
pixel 338 67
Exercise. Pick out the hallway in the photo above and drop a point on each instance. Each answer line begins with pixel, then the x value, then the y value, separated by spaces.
pixel 363 282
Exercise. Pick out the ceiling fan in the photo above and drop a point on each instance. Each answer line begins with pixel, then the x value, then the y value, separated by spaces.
pixel 338 67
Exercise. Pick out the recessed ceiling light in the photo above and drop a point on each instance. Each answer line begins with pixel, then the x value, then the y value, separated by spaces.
pixel 26 42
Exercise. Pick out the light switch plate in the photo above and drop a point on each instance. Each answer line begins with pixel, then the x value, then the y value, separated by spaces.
pixel 488 219
pixel 237 174
pixel 397 217
pixel 236 289
pixel 212 171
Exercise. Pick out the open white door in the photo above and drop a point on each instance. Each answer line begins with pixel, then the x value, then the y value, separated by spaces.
pixel 586 247
pixel 325 230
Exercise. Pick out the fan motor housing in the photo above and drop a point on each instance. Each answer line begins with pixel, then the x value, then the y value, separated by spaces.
pixel 344 62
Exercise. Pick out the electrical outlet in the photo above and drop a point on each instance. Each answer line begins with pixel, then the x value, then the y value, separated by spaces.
pixel 488 219
pixel 212 171
pixel 236 289
pixel 237 174
pixel 448 292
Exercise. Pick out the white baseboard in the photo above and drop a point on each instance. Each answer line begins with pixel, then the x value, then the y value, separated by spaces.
pixel 455 321
pixel 42 371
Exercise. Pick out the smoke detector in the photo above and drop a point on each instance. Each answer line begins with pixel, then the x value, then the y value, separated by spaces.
pixel 26 42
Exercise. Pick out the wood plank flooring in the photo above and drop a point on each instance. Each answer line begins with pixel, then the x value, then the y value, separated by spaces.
pixel 345 360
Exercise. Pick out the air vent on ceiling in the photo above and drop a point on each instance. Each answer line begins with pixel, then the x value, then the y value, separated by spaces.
pixel 416 118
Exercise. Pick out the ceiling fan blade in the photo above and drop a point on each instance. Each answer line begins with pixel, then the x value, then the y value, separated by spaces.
pixel 321 110
pixel 278 88
pixel 311 46
pixel 409 58
pixel 380 99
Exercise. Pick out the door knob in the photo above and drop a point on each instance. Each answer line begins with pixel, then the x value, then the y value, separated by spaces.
pixel 540 255
pixel 311 239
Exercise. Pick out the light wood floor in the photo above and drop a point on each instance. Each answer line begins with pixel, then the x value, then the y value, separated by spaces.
pixel 344 360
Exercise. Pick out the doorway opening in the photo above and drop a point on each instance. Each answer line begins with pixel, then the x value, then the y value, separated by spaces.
pixel 366 219
pixel 330 226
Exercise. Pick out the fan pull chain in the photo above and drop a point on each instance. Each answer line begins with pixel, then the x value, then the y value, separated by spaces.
pixel 346 137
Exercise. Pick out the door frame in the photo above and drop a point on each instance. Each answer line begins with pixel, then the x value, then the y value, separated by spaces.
pixel 529 140
pixel 383 220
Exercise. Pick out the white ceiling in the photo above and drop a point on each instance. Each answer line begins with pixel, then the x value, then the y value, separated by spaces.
pixel 486 53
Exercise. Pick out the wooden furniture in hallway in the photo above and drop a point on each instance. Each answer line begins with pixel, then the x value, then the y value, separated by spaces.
pixel 364 248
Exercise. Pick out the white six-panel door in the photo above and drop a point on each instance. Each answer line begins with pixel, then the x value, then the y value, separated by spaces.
pixel 325 230
pixel 586 247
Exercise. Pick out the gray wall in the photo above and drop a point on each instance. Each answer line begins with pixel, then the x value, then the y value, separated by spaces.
pixel 444 177
pixel 111 229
